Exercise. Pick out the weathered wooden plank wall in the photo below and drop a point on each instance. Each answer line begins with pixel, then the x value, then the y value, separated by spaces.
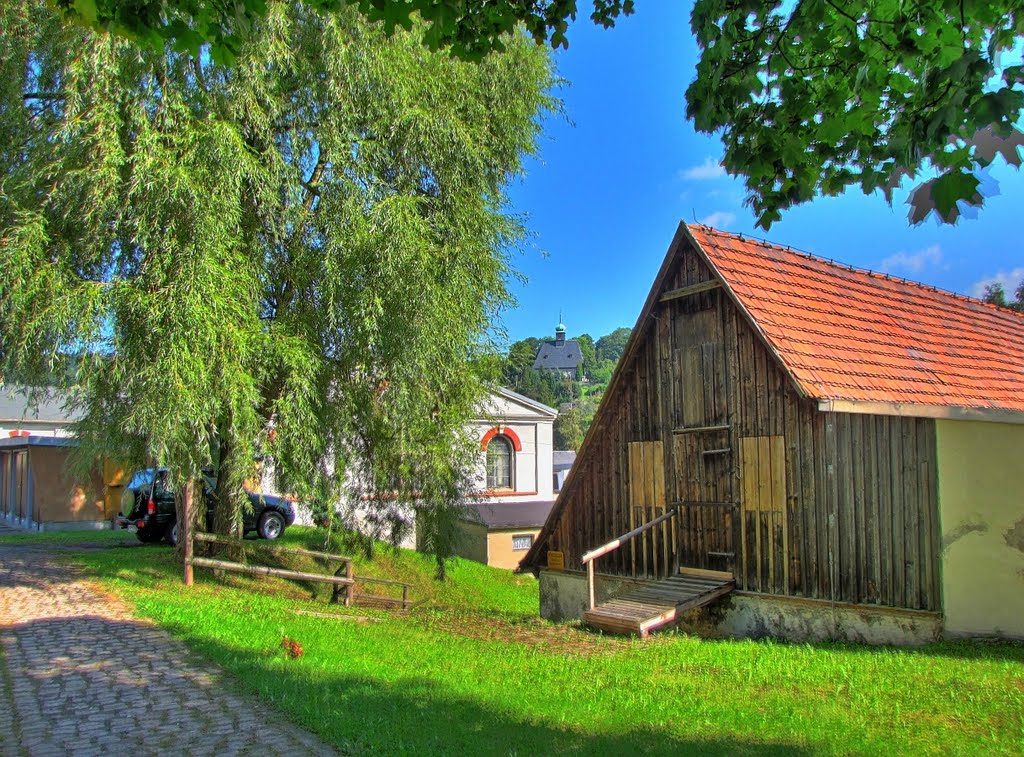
pixel 795 501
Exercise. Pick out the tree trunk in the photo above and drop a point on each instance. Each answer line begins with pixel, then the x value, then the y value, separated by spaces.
pixel 186 518
pixel 229 494
pixel 186 505
pixel 226 520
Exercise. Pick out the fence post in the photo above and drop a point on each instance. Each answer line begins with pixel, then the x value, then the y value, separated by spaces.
pixel 350 589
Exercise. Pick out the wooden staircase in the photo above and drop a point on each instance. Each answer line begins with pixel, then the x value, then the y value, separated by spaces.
pixel 657 604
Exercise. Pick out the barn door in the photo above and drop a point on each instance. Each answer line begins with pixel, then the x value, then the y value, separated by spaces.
pixel 703 457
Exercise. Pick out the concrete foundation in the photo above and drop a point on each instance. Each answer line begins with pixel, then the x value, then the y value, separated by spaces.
pixel 563 593
pixel 563 596
pixel 757 616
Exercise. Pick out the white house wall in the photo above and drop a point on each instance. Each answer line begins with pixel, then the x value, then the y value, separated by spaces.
pixel 534 427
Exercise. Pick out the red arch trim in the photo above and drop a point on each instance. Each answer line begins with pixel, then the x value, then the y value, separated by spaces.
pixel 506 431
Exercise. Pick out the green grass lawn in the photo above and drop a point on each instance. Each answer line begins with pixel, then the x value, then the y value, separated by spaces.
pixel 476 671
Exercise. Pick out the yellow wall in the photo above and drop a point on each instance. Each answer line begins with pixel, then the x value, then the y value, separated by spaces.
pixel 57 496
pixel 981 504
pixel 499 547
pixel 492 548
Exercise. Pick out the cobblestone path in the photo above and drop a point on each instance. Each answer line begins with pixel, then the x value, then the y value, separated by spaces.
pixel 84 677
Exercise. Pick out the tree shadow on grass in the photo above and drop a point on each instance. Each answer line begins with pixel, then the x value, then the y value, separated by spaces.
pixel 417 715
pixel 60 668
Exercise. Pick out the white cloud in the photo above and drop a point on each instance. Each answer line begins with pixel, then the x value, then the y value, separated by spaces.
pixel 709 169
pixel 720 219
pixel 913 262
pixel 1010 281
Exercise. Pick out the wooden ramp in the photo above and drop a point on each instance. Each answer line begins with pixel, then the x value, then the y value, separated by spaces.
pixel 657 604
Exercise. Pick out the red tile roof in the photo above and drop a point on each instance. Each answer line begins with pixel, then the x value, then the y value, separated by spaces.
pixel 853 335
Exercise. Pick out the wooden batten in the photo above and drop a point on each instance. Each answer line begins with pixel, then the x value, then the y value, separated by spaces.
pixel 700 429
pixel 689 291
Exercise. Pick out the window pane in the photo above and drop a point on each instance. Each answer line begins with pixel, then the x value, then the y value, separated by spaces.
pixel 522 542
pixel 499 464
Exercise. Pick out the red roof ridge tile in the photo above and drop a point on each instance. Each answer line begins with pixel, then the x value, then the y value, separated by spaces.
pixel 856 269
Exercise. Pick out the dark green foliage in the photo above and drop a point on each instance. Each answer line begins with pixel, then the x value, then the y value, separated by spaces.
pixel 547 387
pixel 995 294
pixel 601 374
pixel 518 361
pixel 611 346
pixel 568 429
pixel 300 255
pixel 588 351
pixel 810 97
pixel 468 27
pixel 814 96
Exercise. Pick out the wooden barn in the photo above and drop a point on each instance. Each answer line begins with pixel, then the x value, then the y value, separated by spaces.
pixel 810 450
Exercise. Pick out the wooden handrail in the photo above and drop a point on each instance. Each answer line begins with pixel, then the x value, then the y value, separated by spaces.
pixel 617 542
pixel 589 557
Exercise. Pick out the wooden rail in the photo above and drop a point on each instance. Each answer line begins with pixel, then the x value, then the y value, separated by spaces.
pixel 589 557
pixel 348 581
pixel 216 539
pixel 263 570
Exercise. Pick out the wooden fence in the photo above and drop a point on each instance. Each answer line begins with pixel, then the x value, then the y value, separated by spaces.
pixel 347 581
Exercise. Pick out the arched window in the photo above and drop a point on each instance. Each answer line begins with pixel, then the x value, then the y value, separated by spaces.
pixel 499 463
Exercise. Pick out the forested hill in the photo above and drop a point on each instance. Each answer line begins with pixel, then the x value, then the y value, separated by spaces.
pixel 575 398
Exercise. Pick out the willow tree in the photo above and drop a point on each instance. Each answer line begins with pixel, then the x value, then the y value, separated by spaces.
pixel 299 255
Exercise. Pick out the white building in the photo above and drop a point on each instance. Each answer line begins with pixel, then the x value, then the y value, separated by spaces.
pixel 516 443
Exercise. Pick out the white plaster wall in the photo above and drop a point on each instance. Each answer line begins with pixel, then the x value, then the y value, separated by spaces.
pixel 545 460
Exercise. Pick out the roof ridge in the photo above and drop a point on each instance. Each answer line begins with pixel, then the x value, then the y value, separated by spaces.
pixel 856 269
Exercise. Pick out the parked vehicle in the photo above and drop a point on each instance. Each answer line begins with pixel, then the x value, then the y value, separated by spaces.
pixel 148 509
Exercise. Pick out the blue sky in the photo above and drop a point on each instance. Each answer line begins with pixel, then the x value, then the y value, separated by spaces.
pixel 614 180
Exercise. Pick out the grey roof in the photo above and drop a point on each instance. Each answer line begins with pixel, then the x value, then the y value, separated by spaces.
pixel 15 406
pixel 559 357
pixel 563 458
pixel 509 514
